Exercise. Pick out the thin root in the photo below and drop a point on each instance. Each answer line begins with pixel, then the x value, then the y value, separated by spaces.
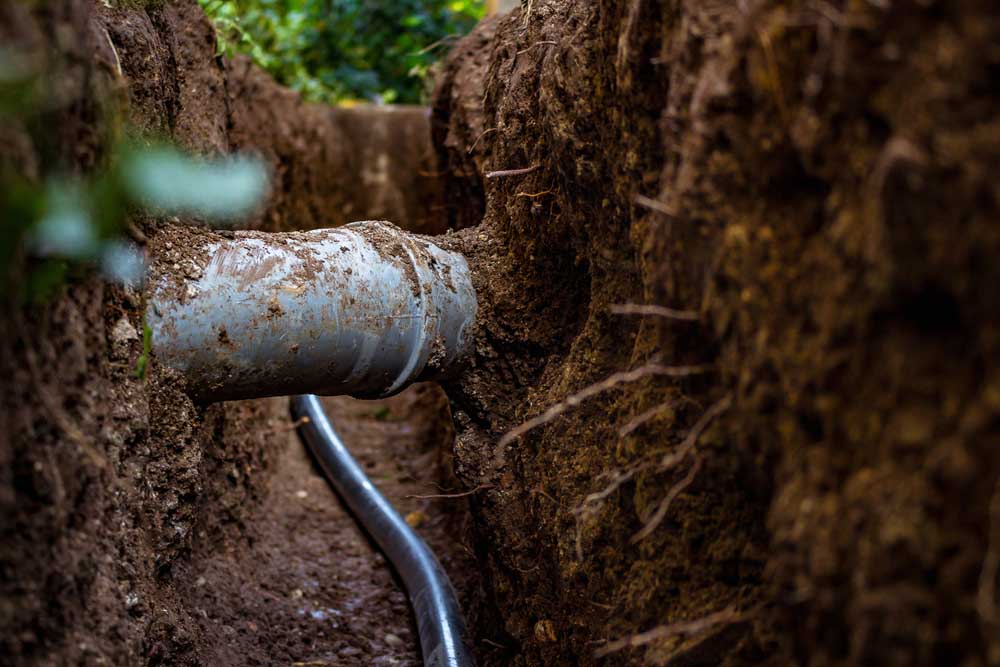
pixel 651 309
pixel 598 388
pixel 434 496
pixel 526 49
pixel 672 460
pixel 684 628
pixel 664 506
pixel 513 172
pixel 642 418
pixel 986 600
pixel 476 142
pixel 654 205
pixel 289 426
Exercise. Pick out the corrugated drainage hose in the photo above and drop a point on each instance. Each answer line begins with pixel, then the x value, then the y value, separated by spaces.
pixel 439 618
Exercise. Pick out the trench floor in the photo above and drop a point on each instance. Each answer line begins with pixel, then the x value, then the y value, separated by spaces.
pixel 310 589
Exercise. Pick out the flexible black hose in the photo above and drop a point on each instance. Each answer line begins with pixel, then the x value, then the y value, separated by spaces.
pixel 439 618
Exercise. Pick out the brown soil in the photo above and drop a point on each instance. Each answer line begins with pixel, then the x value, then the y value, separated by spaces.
pixel 457 125
pixel 328 166
pixel 807 185
pixel 812 180
pixel 306 586
pixel 333 166
pixel 118 492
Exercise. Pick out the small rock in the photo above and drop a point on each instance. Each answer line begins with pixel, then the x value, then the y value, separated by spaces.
pixel 393 640
pixel 296 594
pixel 199 582
pixel 122 335
pixel 545 631
pixel 416 519
pixel 301 494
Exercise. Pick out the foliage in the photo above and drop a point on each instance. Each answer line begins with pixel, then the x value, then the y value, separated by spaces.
pixel 147 349
pixel 65 223
pixel 336 50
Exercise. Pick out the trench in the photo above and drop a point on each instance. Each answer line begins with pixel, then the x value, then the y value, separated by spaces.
pixel 796 198
pixel 308 587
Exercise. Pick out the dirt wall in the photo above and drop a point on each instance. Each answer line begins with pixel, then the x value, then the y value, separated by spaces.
pixel 112 484
pixel 801 467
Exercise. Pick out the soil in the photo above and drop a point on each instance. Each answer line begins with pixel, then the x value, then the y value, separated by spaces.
pixel 307 587
pixel 811 180
pixel 115 487
pixel 457 125
pixel 814 482
pixel 334 166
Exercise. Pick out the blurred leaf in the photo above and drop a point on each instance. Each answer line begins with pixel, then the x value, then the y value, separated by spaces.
pixel 66 229
pixel 147 347
pixel 218 190
pixel 123 263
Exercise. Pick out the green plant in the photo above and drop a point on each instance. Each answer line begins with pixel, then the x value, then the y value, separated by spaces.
pixel 66 224
pixel 56 222
pixel 335 50
pixel 147 349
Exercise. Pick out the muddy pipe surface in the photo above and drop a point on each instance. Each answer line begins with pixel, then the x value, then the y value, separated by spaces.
pixel 440 624
pixel 363 310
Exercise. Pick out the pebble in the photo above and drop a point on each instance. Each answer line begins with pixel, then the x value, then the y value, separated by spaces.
pixel 545 631
pixel 122 334
pixel 416 519
pixel 393 640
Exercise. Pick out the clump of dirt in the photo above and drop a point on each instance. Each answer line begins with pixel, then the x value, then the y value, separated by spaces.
pixel 178 254
pixel 811 183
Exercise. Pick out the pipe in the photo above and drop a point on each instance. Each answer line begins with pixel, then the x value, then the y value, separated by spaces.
pixel 363 310
pixel 440 625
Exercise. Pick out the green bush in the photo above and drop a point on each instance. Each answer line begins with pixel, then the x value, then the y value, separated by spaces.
pixel 336 50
